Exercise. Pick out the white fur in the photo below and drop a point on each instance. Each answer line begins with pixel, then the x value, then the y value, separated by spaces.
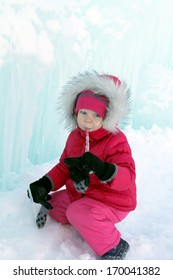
pixel 119 103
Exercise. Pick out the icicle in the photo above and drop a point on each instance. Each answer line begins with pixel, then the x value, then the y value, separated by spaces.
pixel 87 143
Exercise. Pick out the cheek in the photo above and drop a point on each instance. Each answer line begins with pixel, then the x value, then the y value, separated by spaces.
pixel 79 121
pixel 99 124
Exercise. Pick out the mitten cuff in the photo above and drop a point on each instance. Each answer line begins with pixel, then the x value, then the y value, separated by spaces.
pixel 46 183
pixel 110 172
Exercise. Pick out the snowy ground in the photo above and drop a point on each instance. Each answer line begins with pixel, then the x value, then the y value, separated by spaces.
pixel 149 229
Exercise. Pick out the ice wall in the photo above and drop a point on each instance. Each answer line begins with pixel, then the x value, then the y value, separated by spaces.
pixel 43 43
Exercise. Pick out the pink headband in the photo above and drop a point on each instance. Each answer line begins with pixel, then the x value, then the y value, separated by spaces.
pixel 89 100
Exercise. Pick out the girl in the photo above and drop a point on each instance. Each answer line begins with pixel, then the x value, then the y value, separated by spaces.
pixel 96 165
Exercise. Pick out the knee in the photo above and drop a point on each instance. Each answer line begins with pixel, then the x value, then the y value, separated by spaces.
pixel 75 212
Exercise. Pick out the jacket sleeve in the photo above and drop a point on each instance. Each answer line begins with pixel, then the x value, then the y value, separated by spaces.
pixel 120 155
pixel 58 174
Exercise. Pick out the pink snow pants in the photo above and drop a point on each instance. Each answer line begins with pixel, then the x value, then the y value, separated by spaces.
pixel 94 220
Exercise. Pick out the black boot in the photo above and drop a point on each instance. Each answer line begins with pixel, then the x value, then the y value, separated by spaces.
pixel 117 253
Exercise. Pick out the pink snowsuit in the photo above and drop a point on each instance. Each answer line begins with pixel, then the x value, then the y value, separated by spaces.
pixel 95 213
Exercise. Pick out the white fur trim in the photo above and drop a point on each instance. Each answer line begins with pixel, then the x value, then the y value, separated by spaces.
pixel 119 99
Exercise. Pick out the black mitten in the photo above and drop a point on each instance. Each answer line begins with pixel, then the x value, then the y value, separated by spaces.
pixel 40 192
pixel 77 174
pixel 104 170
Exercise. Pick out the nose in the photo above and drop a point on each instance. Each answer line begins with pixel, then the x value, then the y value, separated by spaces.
pixel 88 118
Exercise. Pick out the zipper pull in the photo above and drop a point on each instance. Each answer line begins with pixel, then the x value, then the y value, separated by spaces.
pixel 87 142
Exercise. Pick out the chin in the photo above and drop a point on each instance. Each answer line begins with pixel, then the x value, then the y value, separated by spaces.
pixel 88 129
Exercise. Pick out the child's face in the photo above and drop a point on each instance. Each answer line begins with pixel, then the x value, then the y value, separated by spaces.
pixel 89 120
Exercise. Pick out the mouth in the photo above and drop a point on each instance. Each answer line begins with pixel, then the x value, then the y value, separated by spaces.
pixel 87 129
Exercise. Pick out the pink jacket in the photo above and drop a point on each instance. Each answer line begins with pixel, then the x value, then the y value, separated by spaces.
pixel 120 192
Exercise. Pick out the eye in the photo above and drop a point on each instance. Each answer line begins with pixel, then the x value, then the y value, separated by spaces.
pixel 82 112
pixel 97 115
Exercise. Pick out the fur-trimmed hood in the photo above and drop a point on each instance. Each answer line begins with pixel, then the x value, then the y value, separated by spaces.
pixel 115 90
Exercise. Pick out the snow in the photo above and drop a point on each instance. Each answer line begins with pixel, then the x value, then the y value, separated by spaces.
pixel 42 44
pixel 148 229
